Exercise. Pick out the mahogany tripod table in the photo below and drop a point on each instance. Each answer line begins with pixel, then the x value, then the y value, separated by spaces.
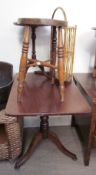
pixel 41 98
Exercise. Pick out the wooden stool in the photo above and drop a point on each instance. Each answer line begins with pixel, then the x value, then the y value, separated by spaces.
pixel 29 32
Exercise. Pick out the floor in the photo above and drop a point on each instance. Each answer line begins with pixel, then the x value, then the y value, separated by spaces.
pixel 48 160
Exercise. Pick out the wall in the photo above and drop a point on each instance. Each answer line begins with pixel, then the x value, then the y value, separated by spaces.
pixel 82 13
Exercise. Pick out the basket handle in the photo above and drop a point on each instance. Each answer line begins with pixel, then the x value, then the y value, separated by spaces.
pixel 64 14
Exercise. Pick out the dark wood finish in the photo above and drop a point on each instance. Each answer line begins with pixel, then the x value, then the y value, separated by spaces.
pixel 82 125
pixel 40 22
pixel 40 98
pixel 3 135
pixel 86 84
pixel 32 23
pixel 94 69
pixel 53 46
pixel 33 43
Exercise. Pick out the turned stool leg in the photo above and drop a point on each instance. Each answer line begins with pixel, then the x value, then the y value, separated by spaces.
pixel 61 63
pixel 23 61
pixel 53 52
pixel 33 43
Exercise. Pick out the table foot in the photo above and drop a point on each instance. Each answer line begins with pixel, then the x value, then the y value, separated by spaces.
pixel 54 138
pixel 27 155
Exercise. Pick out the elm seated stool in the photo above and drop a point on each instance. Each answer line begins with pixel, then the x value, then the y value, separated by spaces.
pixel 30 25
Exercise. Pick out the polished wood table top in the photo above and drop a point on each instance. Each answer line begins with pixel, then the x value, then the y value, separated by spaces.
pixel 41 98
pixel 41 22
pixel 87 83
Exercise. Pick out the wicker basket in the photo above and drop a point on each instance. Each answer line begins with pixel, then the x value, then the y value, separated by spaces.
pixel 69 34
pixel 11 147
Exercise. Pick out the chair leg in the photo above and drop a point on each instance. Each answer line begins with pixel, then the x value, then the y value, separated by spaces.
pixel 23 62
pixel 53 52
pixel 61 63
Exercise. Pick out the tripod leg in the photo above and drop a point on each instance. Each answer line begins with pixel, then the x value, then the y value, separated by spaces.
pixel 34 143
pixel 54 138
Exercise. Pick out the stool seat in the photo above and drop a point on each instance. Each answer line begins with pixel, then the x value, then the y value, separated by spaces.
pixel 41 22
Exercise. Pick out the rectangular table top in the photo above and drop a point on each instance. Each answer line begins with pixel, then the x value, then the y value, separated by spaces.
pixel 87 83
pixel 40 98
pixel 36 22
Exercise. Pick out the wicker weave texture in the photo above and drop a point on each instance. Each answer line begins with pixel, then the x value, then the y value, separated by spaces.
pixel 69 48
pixel 4 153
pixel 12 148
